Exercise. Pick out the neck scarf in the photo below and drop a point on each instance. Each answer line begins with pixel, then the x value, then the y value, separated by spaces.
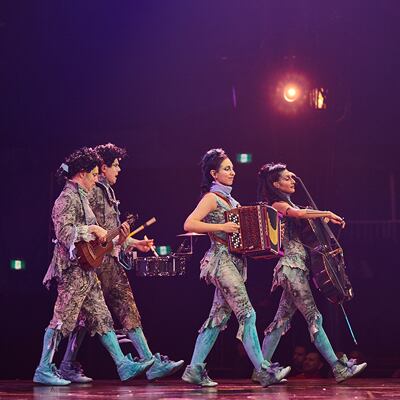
pixel 217 187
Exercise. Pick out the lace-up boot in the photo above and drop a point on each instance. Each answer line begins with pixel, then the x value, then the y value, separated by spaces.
pixel 72 371
pixel 270 375
pixel 197 374
pixel 345 369
pixel 163 367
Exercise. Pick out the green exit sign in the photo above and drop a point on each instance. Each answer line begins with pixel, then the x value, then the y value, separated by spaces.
pixel 244 158
pixel 17 265
pixel 163 250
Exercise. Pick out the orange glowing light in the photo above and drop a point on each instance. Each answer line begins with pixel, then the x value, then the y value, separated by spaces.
pixel 291 93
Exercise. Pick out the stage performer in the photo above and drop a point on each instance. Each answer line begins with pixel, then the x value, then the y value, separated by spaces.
pixel 114 281
pixel 276 184
pixel 226 271
pixel 79 291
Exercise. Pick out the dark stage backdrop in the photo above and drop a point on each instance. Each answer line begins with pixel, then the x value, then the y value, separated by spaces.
pixel 168 81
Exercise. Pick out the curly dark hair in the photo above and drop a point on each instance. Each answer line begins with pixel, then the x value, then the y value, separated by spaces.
pixel 81 160
pixel 211 160
pixel 109 152
pixel 267 175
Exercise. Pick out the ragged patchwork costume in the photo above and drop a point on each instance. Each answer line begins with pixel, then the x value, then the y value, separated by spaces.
pixel 117 290
pixel 79 292
pixel 292 274
pixel 227 272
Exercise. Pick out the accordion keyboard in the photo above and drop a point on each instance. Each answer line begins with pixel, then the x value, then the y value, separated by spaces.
pixel 236 240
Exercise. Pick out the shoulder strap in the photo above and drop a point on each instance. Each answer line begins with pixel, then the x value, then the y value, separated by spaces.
pixel 217 239
pixel 223 198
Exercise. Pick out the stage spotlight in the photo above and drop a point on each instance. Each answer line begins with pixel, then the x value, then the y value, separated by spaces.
pixel 291 93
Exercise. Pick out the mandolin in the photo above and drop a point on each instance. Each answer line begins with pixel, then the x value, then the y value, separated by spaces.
pixel 91 254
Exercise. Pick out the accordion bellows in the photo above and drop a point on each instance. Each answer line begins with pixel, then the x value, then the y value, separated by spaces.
pixel 259 235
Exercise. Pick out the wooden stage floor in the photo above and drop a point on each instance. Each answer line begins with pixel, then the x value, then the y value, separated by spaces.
pixel 357 389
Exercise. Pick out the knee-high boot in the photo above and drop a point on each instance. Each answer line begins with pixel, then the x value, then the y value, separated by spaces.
pixel 162 366
pixel 71 369
pixel 196 372
pixel 323 344
pixel 342 369
pixel 46 372
pixel 204 343
pixel 270 343
pixel 251 342
pixel 140 343
pixel 270 374
pixel 127 368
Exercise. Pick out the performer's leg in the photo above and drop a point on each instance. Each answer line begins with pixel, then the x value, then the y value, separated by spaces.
pixel 342 369
pixel 323 344
pixel 300 291
pixel 74 343
pixel 279 326
pixel 72 290
pixel 231 285
pixel 208 334
pixel 46 372
pixel 140 342
pixel 70 368
pixel 119 297
pixel 204 343
pixel 98 320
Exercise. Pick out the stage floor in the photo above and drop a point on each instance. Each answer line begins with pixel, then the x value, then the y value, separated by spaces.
pixel 358 389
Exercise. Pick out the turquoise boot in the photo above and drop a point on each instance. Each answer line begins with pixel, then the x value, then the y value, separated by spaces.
pixel 127 367
pixel 251 342
pixel 204 343
pixel 136 336
pixel 162 366
pixel 46 372
pixel 270 342
pixel 274 373
pixel 196 372
pixel 323 344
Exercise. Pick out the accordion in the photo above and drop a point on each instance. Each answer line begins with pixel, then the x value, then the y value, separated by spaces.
pixel 260 231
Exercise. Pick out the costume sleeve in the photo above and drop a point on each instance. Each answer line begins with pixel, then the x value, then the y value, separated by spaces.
pixel 129 242
pixel 67 228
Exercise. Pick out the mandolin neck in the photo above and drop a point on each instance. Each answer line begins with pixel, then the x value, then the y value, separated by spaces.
pixel 112 234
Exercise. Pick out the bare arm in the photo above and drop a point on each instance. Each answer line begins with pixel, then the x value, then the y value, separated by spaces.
pixel 194 221
pixel 287 210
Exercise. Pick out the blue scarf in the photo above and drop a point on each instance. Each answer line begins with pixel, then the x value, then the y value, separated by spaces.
pixel 217 187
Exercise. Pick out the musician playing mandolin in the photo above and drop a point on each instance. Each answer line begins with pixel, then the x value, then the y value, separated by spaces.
pixel 79 291
pixel 114 281
pixel 276 184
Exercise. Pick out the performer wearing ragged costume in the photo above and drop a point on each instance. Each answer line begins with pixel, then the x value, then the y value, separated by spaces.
pixel 227 272
pixel 276 184
pixel 79 291
pixel 114 281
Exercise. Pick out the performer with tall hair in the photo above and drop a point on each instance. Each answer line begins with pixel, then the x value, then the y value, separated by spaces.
pixel 276 184
pixel 114 281
pixel 226 271
pixel 79 291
